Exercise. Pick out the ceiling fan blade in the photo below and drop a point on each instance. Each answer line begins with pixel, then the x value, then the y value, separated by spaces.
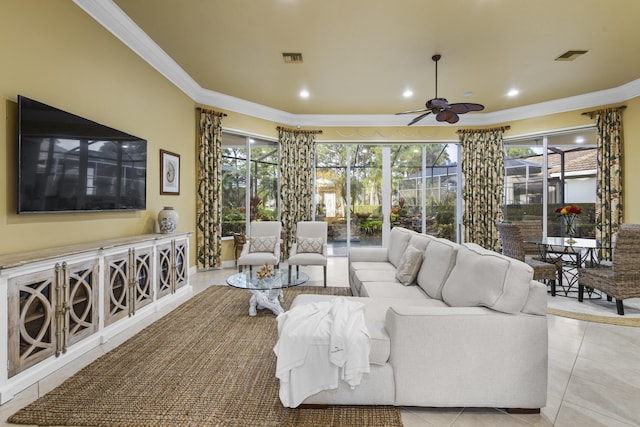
pixel 420 117
pixel 412 111
pixel 474 107
pixel 437 103
pixel 459 108
pixel 465 107
pixel 453 118
pixel 447 116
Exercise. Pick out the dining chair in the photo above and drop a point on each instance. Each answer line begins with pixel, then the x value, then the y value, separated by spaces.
pixel 310 247
pixel 513 247
pixel 620 279
pixel 530 229
pixel 263 245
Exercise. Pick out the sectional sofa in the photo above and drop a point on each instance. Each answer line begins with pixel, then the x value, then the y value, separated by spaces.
pixel 451 326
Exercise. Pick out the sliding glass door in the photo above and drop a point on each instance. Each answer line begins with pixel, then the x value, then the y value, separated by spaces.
pixel 549 172
pixel 364 190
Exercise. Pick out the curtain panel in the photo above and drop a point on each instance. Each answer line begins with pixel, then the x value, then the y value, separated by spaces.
pixel 209 177
pixel 296 180
pixel 609 176
pixel 483 185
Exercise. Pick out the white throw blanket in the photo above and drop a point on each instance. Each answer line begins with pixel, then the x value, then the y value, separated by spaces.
pixel 319 344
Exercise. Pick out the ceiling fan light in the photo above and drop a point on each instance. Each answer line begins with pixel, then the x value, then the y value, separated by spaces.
pixel 512 93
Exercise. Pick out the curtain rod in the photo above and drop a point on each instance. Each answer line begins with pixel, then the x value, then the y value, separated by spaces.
pixel 501 128
pixel 215 113
pixel 308 131
pixel 593 113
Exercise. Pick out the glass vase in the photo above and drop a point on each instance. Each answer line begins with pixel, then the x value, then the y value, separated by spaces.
pixel 570 228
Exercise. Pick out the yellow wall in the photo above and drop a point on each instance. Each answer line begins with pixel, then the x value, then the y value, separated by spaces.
pixel 631 153
pixel 55 53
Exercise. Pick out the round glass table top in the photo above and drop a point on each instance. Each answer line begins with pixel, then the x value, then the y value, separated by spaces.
pixel 279 280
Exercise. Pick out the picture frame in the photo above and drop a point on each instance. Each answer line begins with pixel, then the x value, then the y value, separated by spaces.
pixel 169 173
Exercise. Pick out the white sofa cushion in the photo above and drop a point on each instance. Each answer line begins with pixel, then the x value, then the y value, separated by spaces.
pixel 372 265
pixel 391 290
pixel 409 265
pixel 419 241
pixel 439 259
pixel 486 278
pixel 398 241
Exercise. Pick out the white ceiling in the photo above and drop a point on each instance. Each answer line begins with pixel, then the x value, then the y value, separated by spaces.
pixel 361 55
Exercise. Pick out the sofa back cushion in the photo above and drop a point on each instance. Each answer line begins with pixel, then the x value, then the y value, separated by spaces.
pixel 419 241
pixel 398 241
pixel 485 278
pixel 439 259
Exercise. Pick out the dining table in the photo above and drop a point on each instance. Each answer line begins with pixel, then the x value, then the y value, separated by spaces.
pixel 570 254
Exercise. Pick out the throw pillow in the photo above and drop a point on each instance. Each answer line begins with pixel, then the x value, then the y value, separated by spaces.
pixel 410 262
pixel 310 245
pixel 263 244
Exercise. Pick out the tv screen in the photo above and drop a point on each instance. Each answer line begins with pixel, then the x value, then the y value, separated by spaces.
pixel 68 163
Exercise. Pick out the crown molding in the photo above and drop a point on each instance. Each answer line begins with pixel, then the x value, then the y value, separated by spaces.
pixel 112 18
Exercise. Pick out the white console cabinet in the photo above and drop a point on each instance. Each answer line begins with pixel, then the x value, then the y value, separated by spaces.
pixel 59 303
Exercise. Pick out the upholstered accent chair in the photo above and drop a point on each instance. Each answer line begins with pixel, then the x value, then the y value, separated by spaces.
pixel 310 247
pixel 263 245
pixel 620 280
pixel 513 247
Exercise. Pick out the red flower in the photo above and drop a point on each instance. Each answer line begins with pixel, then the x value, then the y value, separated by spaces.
pixel 569 209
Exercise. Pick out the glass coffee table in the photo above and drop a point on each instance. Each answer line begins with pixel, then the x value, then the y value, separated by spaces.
pixel 266 293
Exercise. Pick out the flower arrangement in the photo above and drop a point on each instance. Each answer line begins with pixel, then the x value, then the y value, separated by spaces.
pixel 569 213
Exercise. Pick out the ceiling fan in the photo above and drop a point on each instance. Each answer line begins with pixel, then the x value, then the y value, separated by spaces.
pixel 441 108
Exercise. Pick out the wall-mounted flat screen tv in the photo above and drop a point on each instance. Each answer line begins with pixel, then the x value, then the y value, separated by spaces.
pixel 67 163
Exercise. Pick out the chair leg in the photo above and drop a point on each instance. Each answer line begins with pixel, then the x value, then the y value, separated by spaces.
pixel 619 307
pixel 324 268
pixel 609 298
pixel 289 275
pixel 552 284
pixel 580 292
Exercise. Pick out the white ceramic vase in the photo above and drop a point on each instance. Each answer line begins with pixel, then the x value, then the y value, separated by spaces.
pixel 168 220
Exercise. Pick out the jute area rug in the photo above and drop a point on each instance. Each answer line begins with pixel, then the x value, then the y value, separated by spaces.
pixel 207 363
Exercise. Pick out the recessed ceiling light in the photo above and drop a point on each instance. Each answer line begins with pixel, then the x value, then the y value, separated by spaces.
pixel 579 140
pixel 407 93
pixel 467 93
pixel 304 93
pixel 513 92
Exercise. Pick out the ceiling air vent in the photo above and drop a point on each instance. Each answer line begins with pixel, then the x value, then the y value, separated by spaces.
pixel 292 58
pixel 570 55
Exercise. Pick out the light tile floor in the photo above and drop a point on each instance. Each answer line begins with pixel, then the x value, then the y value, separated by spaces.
pixel 594 372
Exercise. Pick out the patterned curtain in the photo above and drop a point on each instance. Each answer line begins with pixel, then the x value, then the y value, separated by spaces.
pixel 296 180
pixel 483 185
pixel 209 177
pixel 609 176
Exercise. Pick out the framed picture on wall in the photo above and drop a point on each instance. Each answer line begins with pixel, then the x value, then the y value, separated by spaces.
pixel 169 172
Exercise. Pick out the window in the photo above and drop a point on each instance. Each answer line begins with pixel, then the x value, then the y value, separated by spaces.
pixel 548 172
pixel 248 160
pixel 362 190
